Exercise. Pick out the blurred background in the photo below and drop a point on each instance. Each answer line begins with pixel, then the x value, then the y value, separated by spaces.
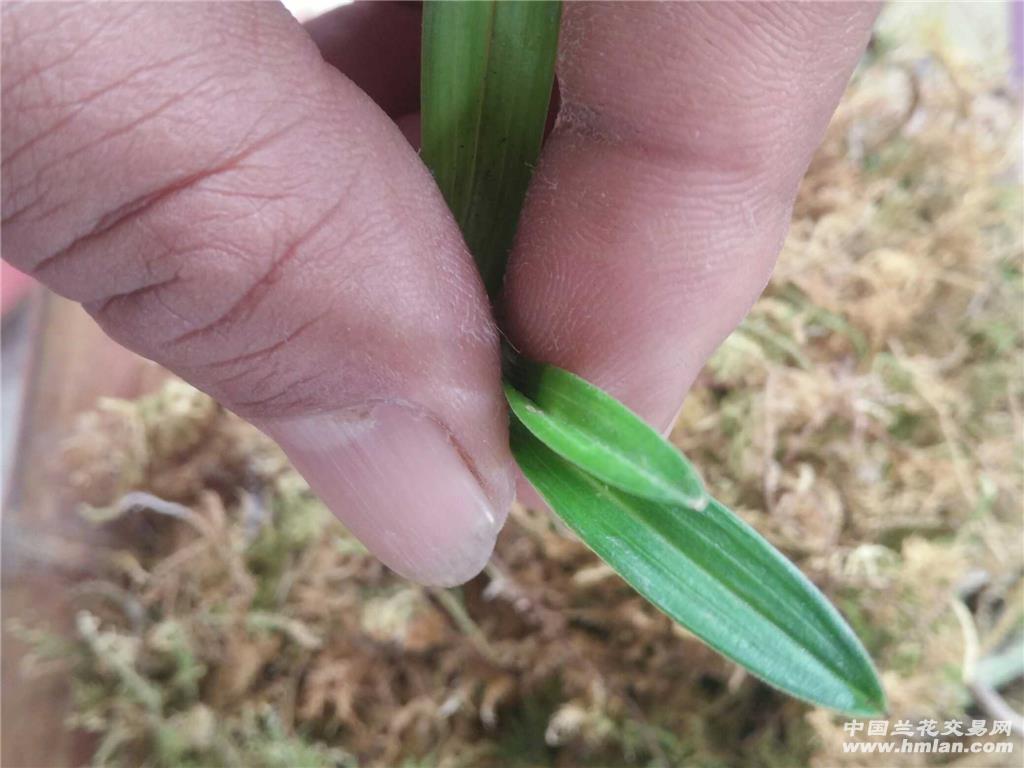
pixel 174 595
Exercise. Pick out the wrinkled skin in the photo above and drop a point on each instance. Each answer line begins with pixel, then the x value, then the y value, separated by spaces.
pixel 231 195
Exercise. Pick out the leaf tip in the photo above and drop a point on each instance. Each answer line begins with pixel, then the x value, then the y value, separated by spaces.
pixel 869 699
pixel 699 503
pixel 875 702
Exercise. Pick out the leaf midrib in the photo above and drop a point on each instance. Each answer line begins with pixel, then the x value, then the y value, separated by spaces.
pixel 468 201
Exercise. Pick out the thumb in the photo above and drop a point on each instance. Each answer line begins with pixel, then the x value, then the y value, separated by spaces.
pixel 228 205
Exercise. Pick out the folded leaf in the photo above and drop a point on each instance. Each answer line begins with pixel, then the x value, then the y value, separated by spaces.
pixel 485 88
pixel 717 577
pixel 600 435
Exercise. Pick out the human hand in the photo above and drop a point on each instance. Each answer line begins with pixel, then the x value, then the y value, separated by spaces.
pixel 227 204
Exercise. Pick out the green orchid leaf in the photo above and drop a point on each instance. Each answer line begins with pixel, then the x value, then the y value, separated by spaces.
pixel 714 575
pixel 487 70
pixel 487 74
pixel 600 435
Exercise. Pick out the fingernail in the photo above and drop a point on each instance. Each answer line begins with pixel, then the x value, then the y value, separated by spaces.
pixel 396 480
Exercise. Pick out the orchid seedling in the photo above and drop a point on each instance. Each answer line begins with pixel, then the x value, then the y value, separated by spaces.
pixel 487 74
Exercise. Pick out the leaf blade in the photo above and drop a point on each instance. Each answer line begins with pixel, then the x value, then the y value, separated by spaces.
pixel 714 575
pixel 597 433
pixel 487 73
pixel 483 109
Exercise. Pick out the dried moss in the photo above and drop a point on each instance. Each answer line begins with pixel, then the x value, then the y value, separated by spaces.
pixel 866 417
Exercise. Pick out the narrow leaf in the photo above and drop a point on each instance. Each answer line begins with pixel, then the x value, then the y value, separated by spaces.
pixel 716 576
pixel 487 73
pixel 487 69
pixel 600 435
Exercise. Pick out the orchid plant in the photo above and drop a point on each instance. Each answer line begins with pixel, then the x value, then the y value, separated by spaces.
pixel 487 74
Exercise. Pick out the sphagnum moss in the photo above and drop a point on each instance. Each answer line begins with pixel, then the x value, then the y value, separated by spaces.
pixel 560 662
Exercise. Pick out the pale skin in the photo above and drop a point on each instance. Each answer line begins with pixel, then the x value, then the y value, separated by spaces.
pixel 232 195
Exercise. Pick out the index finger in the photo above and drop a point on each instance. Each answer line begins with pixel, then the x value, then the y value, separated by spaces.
pixel 664 192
